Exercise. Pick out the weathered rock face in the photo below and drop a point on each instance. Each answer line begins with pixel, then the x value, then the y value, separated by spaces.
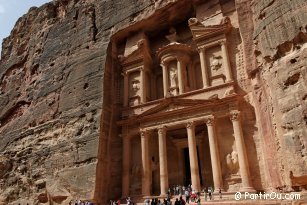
pixel 59 100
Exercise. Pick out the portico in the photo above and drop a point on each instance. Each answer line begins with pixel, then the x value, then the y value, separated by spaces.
pixel 165 121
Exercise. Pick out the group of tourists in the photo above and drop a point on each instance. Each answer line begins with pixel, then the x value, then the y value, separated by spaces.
pixel 185 196
pixel 168 201
pixel 192 195
pixel 80 202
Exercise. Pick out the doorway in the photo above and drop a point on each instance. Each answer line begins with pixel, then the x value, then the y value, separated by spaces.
pixel 187 169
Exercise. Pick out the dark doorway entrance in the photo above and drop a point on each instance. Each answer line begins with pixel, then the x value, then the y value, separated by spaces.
pixel 187 170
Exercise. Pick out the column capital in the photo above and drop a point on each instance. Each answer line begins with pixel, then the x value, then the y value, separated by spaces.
pixel 190 124
pixel 144 133
pixel 162 130
pixel 234 115
pixel 210 120
pixel 125 73
pixel 222 42
pixel 201 49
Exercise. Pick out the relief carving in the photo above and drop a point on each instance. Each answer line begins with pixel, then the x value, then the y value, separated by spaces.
pixel 216 63
pixel 232 168
pixel 232 162
pixel 135 87
pixel 173 77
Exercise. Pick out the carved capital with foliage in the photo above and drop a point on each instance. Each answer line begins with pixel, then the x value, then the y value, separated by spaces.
pixel 209 120
pixel 235 115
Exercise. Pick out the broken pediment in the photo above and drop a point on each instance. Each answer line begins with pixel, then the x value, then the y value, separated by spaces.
pixel 201 32
pixel 140 55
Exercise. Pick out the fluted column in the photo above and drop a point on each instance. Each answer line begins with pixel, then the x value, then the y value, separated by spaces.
pixel 126 166
pixel 143 85
pixel 203 65
pixel 242 154
pixel 214 153
pixel 165 79
pixel 163 161
pixel 126 88
pixel 226 62
pixel 180 67
pixel 193 156
pixel 145 163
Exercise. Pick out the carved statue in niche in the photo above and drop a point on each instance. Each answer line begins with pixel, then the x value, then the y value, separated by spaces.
pixel 173 89
pixel 216 63
pixel 232 162
pixel 136 170
pixel 232 165
pixel 135 87
pixel 173 77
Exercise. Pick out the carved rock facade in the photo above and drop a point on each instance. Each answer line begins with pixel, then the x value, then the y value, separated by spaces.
pixel 105 99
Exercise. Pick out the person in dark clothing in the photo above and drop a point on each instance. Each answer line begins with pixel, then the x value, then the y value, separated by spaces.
pixel 181 200
pixel 177 202
pixel 220 193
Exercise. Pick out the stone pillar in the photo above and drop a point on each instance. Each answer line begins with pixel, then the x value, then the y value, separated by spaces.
pixel 165 79
pixel 242 155
pixel 145 163
pixel 226 62
pixel 143 85
pixel 126 166
pixel 126 88
pixel 214 152
pixel 163 161
pixel 193 156
pixel 180 67
pixel 203 66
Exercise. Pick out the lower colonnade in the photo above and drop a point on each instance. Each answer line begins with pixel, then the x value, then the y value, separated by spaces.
pixel 161 131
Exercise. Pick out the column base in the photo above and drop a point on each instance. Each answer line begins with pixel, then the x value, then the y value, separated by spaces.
pixel 147 196
pixel 248 189
pixel 163 195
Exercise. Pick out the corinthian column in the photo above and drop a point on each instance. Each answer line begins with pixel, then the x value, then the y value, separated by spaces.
pixel 145 163
pixel 163 161
pixel 242 155
pixel 214 153
pixel 193 156
pixel 203 66
pixel 226 62
pixel 126 166
pixel 165 79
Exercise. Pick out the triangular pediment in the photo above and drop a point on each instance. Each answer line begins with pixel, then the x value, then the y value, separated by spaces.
pixel 172 104
pixel 140 55
pixel 200 31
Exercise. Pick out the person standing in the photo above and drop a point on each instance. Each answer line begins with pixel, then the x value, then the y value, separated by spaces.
pixel 198 200
pixel 187 196
pixel 210 194
pixel 147 201
pixel 181 201
pixel 220 193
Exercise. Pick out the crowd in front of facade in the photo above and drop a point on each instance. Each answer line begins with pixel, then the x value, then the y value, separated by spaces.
pixel 80 202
